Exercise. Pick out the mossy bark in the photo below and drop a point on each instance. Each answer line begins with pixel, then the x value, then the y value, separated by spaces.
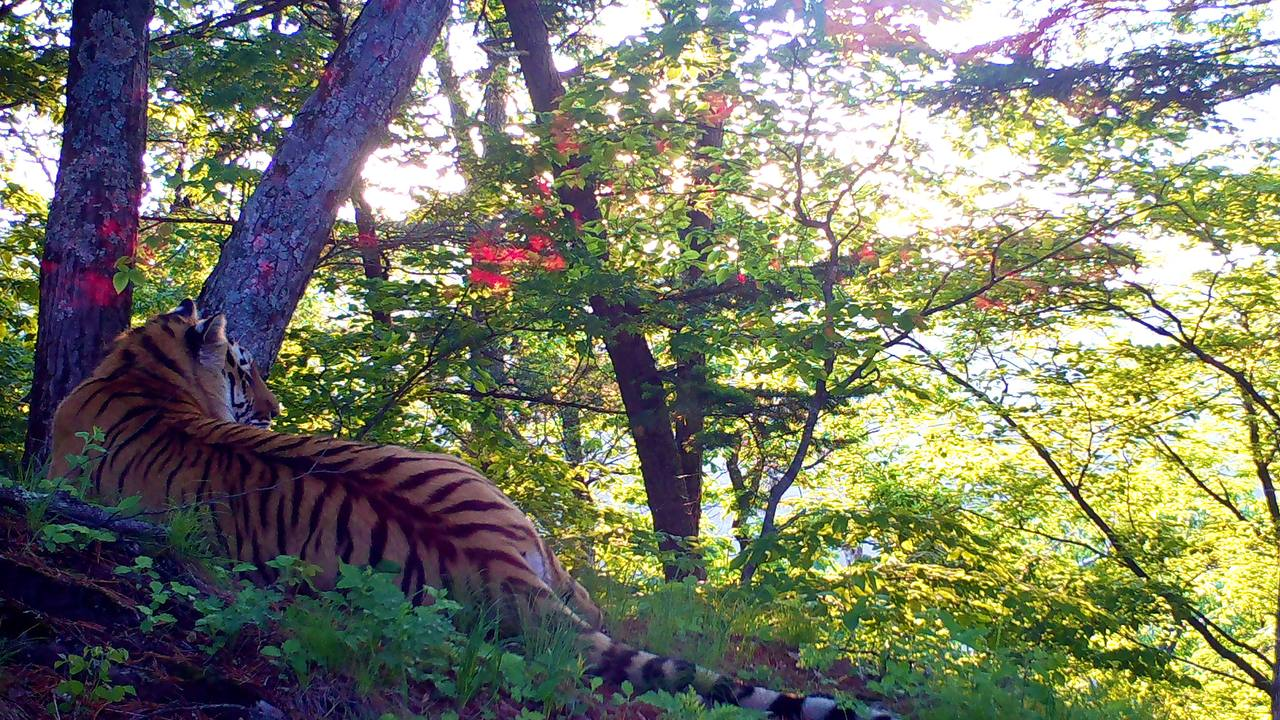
pixel 93 219
pixel 276 243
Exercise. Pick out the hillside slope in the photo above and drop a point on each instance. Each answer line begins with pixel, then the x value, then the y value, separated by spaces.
pixel 125 620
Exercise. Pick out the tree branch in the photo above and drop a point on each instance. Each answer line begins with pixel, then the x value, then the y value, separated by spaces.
pixel 533 399
pixel 191 220
pixel 1222 498
pixel 69 508
pixel 171 40
pixel 1180 608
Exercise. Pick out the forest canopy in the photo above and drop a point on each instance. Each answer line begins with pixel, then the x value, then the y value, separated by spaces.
pixel 938 342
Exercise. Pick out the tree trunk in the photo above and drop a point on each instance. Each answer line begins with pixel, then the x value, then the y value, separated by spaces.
pixel 675 514
pixel 1275 668
pixel 571 435
pixel 487 359
pixel 93 219
pixel 460 116
pixel 745 492
pixel 275 245
pixel 691 366
pixel 367 243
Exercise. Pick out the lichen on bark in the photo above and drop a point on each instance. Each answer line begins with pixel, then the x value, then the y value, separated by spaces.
pixel 274 247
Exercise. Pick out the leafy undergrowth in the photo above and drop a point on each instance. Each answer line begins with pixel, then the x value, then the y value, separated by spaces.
pixel 96 626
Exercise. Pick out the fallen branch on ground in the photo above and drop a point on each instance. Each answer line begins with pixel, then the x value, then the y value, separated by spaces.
pixel 69 508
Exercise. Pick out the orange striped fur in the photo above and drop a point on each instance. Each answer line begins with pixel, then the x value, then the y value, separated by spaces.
pixel 185 412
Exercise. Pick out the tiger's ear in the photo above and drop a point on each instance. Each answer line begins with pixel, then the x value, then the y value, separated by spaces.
pixel 208 340
pixel 186 310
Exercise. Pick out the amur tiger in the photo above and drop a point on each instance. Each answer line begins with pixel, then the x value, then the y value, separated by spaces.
pixel 185 416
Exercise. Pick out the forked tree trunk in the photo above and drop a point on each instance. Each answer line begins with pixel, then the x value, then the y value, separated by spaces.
pixel 675 513
pixel 93 219
pixel 276 244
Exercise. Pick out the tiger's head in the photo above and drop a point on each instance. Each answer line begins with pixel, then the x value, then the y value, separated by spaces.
pixel 198 352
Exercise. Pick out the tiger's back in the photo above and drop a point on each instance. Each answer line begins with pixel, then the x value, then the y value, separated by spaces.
pixel 329 501
pixel 323 500
pixel 184 416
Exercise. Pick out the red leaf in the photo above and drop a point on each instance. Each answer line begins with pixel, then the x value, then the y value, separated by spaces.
pixel 719 107
pixel 983 302
pixel 483 252
pixel 507 256
pixel 568 146
pixel 486 278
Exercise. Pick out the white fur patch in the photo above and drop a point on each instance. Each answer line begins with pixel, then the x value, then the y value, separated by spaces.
pixel 538 565
pixel 759 699
pixel 816 708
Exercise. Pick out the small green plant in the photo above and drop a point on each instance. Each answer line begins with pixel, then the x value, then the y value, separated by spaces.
pixel 89 679
pixel 54 536
pixel 364 628
pixel 253 605
pixel 83 464
pixel 550 671
pixel 37 512
pixel 190 536
pixel 478 662
pixel 688 706
pixel 682 619
pixel 162 593
pixel 19 476
pixel 12 646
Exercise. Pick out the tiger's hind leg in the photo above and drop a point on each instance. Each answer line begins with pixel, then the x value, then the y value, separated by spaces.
pixel 580 600
pixel 570 590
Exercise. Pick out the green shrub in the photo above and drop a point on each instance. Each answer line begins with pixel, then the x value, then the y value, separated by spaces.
pixel 89 679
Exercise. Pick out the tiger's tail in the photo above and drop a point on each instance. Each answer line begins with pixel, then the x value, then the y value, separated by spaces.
pixel 616 662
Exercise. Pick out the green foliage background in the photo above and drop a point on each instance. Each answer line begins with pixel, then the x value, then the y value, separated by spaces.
pixel 1045 287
